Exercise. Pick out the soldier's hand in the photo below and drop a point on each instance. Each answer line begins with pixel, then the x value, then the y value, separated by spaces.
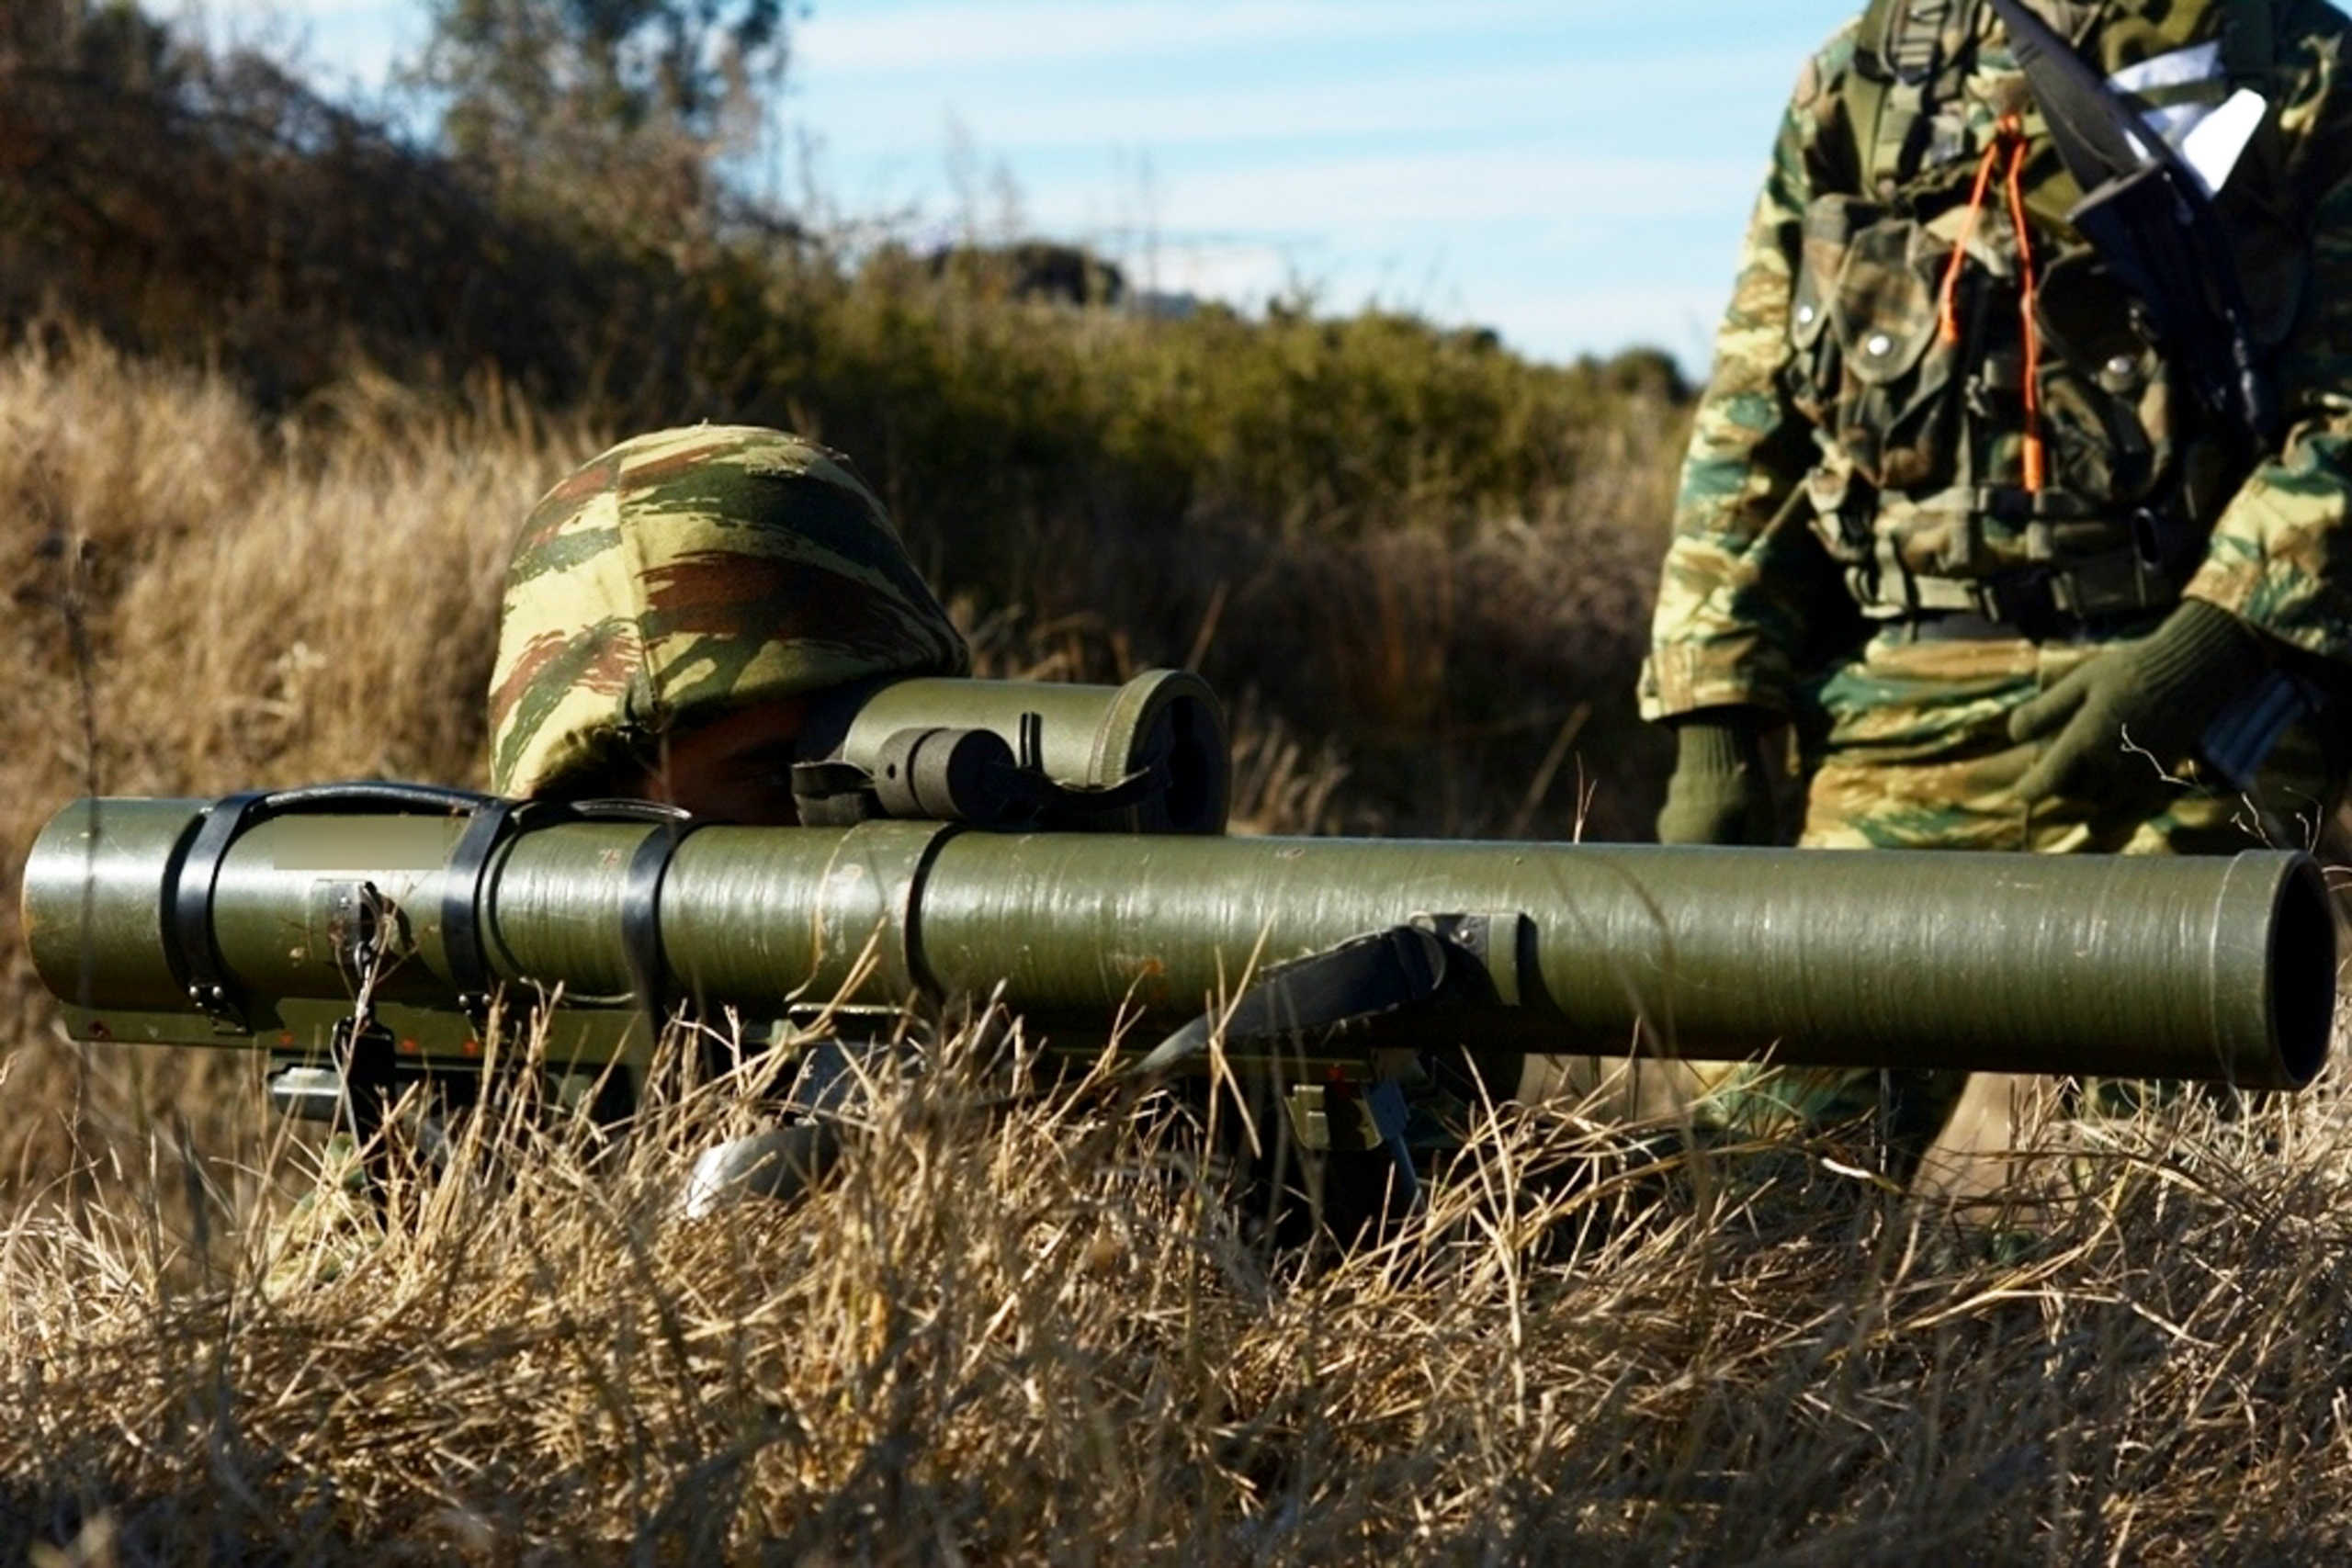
pixel 2120 724
pixel 1721 792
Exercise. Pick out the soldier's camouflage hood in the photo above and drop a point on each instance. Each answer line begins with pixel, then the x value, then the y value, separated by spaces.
pixel 688 573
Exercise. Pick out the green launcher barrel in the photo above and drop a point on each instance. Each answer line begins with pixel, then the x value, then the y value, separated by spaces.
pixel 2218 970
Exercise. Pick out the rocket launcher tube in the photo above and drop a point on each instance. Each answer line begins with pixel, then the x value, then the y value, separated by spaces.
pixel 2221 970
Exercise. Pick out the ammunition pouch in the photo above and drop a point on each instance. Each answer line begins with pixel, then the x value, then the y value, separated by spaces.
pixel 2038 605
pixel 1920 485
pixel 2060 592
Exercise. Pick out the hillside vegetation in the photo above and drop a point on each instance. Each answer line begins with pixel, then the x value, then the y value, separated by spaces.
pixel 274 392
pixel 1401 539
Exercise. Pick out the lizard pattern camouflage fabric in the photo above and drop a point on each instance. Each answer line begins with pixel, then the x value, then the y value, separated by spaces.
pixel 1834 377
pixel 1927 386
pixel 1862 438
pixel 686 574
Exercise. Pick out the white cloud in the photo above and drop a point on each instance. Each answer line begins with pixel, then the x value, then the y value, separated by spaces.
pixel 945 33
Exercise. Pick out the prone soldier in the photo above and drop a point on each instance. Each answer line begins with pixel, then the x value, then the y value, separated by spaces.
pixel 672 608
pixel 674 603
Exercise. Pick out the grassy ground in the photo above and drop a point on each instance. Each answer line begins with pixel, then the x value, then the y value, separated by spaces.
pixel 1039 1336
pixel 1045 1337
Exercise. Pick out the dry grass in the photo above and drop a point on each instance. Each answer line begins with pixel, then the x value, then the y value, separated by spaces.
pixel 1043 1335
pixel 201 599
pixel 1040 1335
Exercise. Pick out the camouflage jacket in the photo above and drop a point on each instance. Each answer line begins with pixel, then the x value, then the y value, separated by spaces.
pixel 1867 398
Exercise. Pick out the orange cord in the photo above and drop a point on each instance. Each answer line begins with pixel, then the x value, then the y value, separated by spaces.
pixel 2029 329
pixel 1948 302
pixel 2012 135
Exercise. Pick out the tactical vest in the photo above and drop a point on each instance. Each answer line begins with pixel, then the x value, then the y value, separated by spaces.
pixel 2000 435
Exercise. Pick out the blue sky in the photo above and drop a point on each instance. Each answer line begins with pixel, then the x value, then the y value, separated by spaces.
pixel 1571 173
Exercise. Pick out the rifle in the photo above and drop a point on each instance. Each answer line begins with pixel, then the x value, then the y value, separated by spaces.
pixel 361 933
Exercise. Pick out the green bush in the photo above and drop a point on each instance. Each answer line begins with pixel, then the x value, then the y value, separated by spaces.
pixel 1403 538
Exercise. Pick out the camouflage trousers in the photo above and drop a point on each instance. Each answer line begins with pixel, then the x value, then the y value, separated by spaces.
pixel 1906 746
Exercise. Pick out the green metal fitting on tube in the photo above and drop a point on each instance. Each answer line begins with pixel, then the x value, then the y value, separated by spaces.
pixel 1146 757
pixel 2215 970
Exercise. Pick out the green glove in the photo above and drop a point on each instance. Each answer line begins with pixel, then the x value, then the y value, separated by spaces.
pixel 2157 696
pixel 1721 792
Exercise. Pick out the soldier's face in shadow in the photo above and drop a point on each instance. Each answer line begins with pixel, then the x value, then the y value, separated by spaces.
pixel 735 769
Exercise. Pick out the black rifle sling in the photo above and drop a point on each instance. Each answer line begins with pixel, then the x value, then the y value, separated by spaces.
pixel 2250 42
pixel 2097 137
pixel 2151 220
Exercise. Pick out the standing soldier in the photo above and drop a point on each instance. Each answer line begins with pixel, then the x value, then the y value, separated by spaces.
pixel 2029 512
